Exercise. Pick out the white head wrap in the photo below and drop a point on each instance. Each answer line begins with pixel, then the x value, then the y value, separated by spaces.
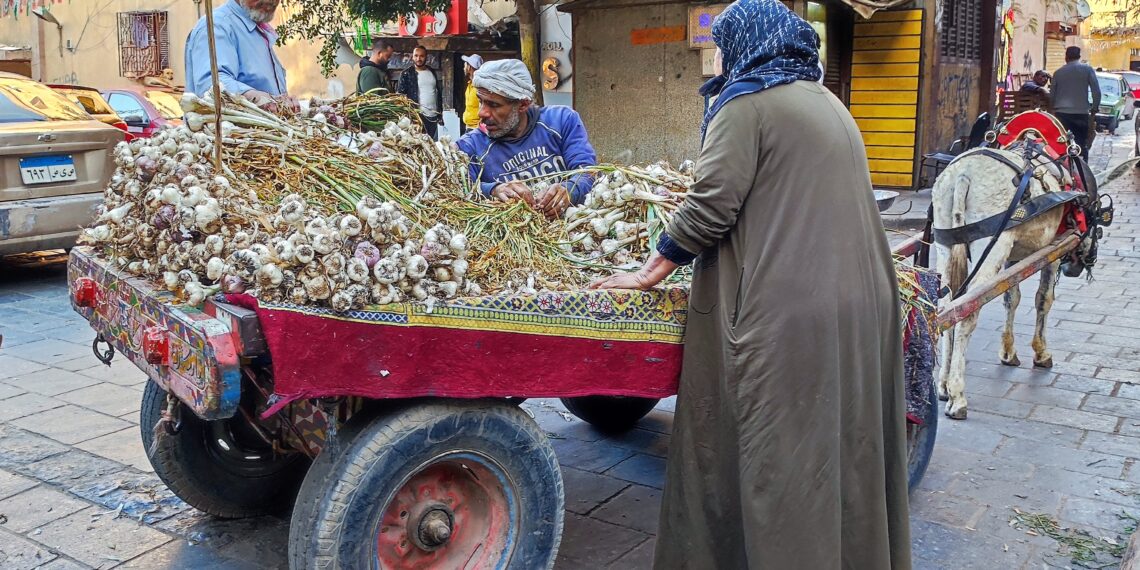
pixel 507 77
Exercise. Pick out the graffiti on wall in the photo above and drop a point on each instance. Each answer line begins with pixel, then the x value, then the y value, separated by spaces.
pixel 65 79
pixel 957 102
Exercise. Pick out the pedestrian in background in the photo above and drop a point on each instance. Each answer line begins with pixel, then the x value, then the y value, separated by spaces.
pixel 420 84
pixel 374 68
pixel 471 63
pixel 1074 85
pixel 789 443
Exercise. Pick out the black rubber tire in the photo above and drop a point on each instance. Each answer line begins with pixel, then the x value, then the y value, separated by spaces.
pixel 611 414
pixel 198 472
pixel 344 495
pixel 1113 124
pixel 921 447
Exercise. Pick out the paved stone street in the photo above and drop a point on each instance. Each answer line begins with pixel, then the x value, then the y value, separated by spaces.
pixel 76 490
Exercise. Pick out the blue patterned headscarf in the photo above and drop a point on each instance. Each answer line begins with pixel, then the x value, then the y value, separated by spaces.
pixel 764 45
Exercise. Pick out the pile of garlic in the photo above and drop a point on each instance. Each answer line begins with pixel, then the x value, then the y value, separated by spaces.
pixel 169 217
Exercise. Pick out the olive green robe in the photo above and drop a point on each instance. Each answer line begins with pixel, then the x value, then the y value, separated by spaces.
pixel 788 447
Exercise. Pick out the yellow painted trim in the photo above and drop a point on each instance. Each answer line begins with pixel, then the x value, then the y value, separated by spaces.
pixel 885 70
pixel 885 180
pixel 883 111
pixel 887 56
pixel 863 30
pixel 898 166
pixel 884 97
pixel 905 140
pixel 888 43
pixel 891 152
pixel 884 84
pixel 886 125
pixel 897 16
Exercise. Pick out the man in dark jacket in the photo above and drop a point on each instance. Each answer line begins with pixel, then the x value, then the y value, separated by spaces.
pixel 420 84
pixel 374 69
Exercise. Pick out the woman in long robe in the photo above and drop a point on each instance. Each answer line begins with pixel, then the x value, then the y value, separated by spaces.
pixel 788 447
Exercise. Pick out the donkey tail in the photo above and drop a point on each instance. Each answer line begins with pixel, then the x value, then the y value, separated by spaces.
pixel 958 268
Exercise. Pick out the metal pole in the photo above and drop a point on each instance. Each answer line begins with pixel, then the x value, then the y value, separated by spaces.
pixel 217 86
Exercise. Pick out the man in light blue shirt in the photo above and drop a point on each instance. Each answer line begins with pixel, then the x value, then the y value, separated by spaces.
pixel 247 64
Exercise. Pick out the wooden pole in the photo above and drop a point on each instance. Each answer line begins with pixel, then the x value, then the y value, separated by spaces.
pixel 217 86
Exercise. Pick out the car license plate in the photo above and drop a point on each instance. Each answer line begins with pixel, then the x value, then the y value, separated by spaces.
pixel 47 169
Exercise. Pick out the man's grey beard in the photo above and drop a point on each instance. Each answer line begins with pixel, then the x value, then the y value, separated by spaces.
pixel 508 127
pixel 259 16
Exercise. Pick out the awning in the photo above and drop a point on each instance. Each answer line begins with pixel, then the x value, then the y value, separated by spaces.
pixel 866 8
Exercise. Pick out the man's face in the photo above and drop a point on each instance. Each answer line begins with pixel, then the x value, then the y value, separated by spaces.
pixel 382 56
pixel 419 57
pixel 261 11
pixel 1041 79
pixel 499 115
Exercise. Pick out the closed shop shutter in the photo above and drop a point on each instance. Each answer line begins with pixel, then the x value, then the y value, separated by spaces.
pixel 1054 55
pixel 884 93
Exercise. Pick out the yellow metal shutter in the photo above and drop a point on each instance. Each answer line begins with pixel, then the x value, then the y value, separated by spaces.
pixel 885 69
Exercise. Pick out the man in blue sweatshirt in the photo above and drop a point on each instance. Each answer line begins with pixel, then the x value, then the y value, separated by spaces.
pixel 518 140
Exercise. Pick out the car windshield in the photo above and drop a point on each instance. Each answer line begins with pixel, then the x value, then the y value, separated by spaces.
pixel 1109 86
pixel 167 104
pixel 90 100
pixel 40 100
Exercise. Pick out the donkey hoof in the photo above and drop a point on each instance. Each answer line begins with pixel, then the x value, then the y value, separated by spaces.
pixel 959 414
pixel 1014 361
pixel 1047 363
pixel 943 395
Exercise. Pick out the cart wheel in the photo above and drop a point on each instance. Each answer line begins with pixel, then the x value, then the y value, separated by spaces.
pixel 219 467
pixel 610 414
pixel 920 440
pixel 471 484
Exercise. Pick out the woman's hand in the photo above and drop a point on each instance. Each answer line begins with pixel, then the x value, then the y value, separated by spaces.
pixel 633 280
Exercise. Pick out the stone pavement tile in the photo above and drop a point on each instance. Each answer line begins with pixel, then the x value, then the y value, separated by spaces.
pixel 268 544
pixel 993 387
pixel 109 399
pixel 1046 395
pixel 948 548
pixel 641 469
pixel 591 543
pixel 1002 498
pixel 1115 406
pixel 18 447
pixel 642 441
pixel 1085 385
pixel 18 553
pixel 970 435
pixel 140 496
pixel 999 406
pixel 7 391
pixel 1022 375
pixel 658 420
pixel 11 484
pixel 77 364
pixel 71 424
pixel 64 564
pixel 1063 368
pixel 636 507
pixel 1122 322
pixel 15 338
pixel 182 554
pixel 131 417
pixel 1130 391
pixel 37 322
pixel 122 446
pixel 1076 316
pixel 587 455
pixel 1104 339
pixel 75 332
pixel 586 490
pixel 36 507
pixel 1091 513
pixel 1083 347
pixel 201 529
pixel 1028 429
pixel 1129 376
pixel 8 297
pixel 12 366
pixel 52 382
pixel 121 372
pixel 667 404
pixel 26 405
pixel 640 558
pixel 946 509
pixel 1060 481
pixel 1107 361
pixel 1073 418
pixel 1079 460
pixel 51 350
pixel 1122 445
pixel 72 468
pixel 100 541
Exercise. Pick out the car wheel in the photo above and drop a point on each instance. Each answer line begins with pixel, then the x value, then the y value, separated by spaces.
pixel 1113 124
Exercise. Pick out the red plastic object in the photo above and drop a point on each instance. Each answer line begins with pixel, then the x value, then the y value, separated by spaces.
pixel 156 346
pixel 1037 124
pixel 86 292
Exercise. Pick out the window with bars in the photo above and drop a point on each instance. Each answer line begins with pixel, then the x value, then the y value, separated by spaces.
pixel 144 44
pixel 961 33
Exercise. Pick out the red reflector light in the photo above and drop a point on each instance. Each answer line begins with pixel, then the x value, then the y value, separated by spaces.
pixel 86 292
pixel 156 346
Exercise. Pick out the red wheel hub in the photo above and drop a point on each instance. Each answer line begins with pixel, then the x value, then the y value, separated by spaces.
pixel 453 512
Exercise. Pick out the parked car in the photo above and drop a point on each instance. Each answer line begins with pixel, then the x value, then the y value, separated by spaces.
pixel 145 110
pixel 56 160
pixel 1132 78
pixel 1116 101
pixel 1136 124
pixel 93 102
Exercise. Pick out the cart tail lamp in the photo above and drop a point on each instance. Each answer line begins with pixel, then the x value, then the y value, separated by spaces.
pixel 156 346
pixel 86 292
